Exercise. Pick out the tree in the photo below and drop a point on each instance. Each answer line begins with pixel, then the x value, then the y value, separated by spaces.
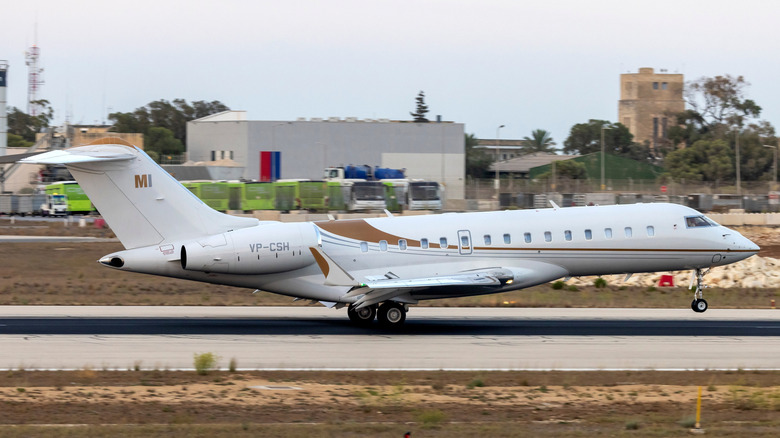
pixel 422 108
pixel 16 141
pixel 540 141
pixel 162 141
pixel 585 138
pixel 716 106
pixel 566 169
pixel 721 101
pixel 25 125
pixel 477 161
pixel 163 114
pixel 705 160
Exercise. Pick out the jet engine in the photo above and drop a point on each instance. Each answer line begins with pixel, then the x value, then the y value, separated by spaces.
pixel 264 249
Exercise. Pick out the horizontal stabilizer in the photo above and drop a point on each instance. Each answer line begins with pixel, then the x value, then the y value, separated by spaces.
pixel 74 156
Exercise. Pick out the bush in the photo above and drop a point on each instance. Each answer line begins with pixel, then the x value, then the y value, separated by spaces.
pixel 632 425
pixel 205 362
pixel 600 282
pixel 687 422
pixel 430 418
pixel 558 285
pixel 476 383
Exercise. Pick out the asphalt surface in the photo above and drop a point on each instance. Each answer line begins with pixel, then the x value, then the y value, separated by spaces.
pixel 317 338
pixel 435 327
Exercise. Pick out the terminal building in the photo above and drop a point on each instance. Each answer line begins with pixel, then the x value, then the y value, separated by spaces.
pixel 302 149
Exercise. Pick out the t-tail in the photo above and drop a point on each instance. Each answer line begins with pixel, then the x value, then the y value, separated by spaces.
pixel 142 202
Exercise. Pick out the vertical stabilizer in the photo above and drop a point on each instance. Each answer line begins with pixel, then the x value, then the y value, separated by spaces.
pixel 143 204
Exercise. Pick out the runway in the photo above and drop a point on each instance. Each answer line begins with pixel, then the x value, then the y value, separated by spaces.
pixel 433 338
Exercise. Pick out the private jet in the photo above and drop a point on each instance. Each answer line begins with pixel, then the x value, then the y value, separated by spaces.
pixel 378 267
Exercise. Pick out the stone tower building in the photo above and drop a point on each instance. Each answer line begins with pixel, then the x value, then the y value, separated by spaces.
pixel 648 103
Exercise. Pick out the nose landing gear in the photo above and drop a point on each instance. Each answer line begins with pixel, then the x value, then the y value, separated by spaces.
pixel 699 304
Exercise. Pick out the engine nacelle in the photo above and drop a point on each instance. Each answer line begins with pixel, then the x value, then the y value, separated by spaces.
pixel 265 249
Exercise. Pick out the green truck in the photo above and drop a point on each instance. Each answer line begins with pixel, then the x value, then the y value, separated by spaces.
pixel 77 201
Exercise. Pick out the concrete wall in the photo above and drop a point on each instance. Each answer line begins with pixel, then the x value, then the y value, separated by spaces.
pixel 739 219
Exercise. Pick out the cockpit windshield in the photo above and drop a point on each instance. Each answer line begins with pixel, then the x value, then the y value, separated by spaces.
pixel 699 221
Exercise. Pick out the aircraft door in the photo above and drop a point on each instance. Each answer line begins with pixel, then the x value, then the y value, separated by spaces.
pixel 464 242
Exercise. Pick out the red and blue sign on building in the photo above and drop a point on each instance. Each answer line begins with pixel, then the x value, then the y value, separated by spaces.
pixel 270 165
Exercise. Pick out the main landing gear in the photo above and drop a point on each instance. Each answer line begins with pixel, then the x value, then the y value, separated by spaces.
pixel 389 314
pixel 699 304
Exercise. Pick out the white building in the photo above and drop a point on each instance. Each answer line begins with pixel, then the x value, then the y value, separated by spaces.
pixel 432 151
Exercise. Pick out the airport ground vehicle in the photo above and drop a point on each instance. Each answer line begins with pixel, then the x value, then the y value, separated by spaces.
pixel 54 204
pixel 77 200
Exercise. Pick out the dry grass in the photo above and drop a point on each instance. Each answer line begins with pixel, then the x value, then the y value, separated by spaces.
pixel 156 403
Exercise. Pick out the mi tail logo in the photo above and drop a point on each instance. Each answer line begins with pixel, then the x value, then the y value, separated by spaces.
pixel 143 181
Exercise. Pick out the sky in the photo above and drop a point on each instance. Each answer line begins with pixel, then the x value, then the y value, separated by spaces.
pixel 526 65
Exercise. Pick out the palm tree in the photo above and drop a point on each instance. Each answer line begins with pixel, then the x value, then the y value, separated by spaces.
pixel 540 141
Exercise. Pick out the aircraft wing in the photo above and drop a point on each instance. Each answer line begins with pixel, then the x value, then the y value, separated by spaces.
pixel 375 291
pixel 5 159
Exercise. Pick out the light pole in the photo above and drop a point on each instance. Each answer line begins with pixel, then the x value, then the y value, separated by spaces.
pixel 603 186
pixel 774 166
pixel 497 182
pixel 739 178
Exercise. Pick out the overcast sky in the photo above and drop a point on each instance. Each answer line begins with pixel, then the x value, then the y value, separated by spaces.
pixel 527 65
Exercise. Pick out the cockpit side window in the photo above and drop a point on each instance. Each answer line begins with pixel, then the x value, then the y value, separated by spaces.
pixel 698 221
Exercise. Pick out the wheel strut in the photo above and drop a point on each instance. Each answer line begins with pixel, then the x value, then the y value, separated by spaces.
pixel 699 304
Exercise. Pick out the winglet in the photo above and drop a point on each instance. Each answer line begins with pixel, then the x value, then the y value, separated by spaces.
pixel 334 274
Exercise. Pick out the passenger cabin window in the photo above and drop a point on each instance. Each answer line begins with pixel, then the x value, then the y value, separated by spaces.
pixel 608 233
pixel 650 231
pixel 443 242
pixel 547 236
pixel 699 221
pixel 487 239
pixel 424 243
pixel 402 244
pixel 507 239
pixel 567 235
pixel 527 237
pixel 383 245
pixel 588 234
pixel 364 246
pixel 629 232
pixel 464 241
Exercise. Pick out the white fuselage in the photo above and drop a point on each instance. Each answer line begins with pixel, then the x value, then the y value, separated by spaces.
pixel 536 245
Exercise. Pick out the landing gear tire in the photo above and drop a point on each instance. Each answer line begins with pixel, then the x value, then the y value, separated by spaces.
pixel 391 314
pixel 362 316
pixel 699 305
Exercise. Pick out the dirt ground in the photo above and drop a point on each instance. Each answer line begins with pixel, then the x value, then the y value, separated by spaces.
pixel 425 402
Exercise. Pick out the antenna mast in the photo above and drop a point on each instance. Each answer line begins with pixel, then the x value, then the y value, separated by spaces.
pixel 34 79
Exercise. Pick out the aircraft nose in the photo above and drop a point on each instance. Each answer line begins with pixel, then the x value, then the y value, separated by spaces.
pixel 746 245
